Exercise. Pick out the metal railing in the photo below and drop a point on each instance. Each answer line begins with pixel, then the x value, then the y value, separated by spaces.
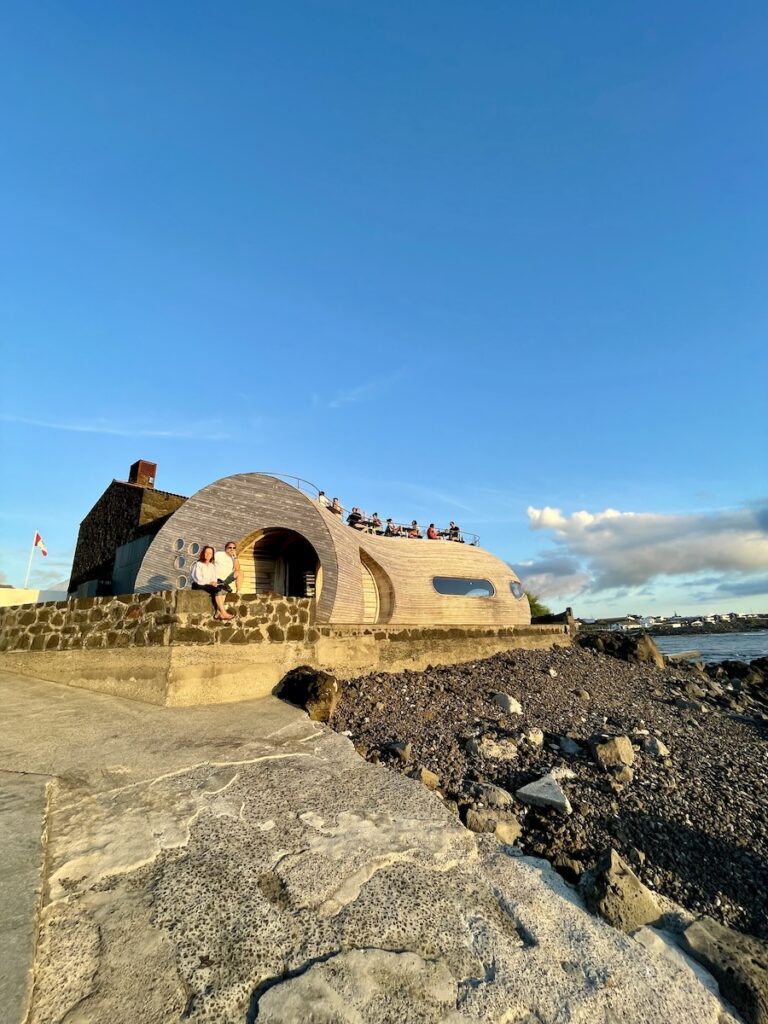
pixel 464 536
pixel 301 484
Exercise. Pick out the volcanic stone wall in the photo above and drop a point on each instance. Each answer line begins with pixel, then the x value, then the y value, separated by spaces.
pixel 123 512
pixel 152 620
pixel 166 648
pixel 181 617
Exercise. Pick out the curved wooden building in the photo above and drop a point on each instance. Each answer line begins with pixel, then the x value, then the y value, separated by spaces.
pixel 291 545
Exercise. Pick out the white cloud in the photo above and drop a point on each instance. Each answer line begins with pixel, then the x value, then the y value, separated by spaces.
pixel 361 392
pixel 199 431
pixel 554 575
pixel 612 549
pixel 438 497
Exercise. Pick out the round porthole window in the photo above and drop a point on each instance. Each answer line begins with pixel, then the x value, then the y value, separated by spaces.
pixel 179 562
pixel 178 545
pixel 194 548
pixel 181 582
pixel 517 589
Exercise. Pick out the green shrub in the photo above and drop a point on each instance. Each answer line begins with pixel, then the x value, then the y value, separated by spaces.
pixel 537 608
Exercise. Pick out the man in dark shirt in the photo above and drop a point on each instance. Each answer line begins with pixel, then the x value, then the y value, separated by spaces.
pixel 355 518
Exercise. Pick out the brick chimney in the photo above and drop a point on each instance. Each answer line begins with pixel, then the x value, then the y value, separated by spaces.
pixel 143 473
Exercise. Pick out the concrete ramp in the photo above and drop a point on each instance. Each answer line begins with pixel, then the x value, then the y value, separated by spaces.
pixel 239 863
pixel 23 803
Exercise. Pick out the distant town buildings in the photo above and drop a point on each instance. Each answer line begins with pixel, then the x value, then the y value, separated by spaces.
pixel 624 623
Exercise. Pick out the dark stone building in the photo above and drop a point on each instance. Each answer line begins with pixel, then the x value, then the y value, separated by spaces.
pixel 129 513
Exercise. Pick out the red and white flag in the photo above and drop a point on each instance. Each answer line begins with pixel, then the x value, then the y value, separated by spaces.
pixel 39 544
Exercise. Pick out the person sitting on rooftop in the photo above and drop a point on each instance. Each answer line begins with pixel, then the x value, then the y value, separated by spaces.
pixel 324 500
pixel 375 524
pixel 355 519
pixel 392 529
pixel 336 507
pixel 414 532
pixel 453 531
pixel 432 533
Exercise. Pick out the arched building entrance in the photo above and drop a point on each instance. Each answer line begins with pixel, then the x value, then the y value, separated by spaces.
pixel 279 561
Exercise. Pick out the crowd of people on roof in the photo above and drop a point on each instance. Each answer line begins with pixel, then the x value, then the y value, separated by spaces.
pixel 373 523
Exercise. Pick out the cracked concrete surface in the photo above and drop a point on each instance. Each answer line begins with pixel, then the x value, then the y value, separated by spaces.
pixel 23 801
pixel 239 863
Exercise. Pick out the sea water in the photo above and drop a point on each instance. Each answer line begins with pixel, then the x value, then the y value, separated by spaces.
pixel 718 646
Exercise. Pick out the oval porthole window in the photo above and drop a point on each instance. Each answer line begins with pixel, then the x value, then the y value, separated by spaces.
pixel 194 548
pixel 179 562
pixel 178 545
pixel 458 586
pixel 181 582
pixel 517 589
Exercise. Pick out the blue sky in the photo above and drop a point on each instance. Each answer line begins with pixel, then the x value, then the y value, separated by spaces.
pixel 447 260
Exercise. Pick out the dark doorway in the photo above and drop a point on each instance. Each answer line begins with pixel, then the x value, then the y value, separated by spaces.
pixel 300 567
pixel 281 562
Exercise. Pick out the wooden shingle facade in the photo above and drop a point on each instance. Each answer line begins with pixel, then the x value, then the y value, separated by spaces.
pixel 289 544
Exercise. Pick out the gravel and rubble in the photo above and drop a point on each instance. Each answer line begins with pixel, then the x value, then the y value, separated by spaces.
pixel 667 766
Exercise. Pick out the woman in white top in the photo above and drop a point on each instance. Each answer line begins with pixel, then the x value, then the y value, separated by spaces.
pixel 204 577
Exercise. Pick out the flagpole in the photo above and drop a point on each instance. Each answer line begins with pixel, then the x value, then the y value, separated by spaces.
pixel 29 564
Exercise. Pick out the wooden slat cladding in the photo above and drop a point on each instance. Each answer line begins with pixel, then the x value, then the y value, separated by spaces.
pixel 411 565
pixel 384 595
pixel 370 594
pixel 235 508
pixel 257 562
pixel 238 507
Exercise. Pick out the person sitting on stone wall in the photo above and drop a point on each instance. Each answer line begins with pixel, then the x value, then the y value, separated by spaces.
pixel 228 567
pixel 204 577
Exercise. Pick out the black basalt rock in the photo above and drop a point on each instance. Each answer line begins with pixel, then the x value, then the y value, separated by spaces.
pixel 316 691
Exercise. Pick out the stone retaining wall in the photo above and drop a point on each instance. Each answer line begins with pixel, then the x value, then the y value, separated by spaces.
pixel 151 620
pixel 166 648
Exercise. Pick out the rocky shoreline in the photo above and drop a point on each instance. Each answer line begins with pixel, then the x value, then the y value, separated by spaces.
pixel 665 764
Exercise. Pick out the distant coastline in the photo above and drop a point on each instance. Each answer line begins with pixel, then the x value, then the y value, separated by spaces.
pixel 686 629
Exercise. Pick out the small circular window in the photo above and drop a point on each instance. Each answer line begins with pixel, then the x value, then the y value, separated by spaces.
pixel 517 589
pixel 178 545
pixel 181 582
pixel 194 548
pixel 179 562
